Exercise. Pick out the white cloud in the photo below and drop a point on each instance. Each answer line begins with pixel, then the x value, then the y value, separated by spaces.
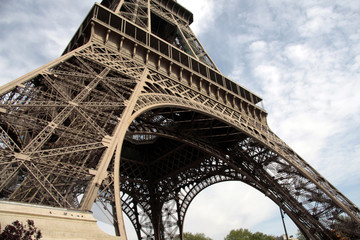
pixel 299 54
pixel 308 77
pixel 258 46
pixel 205 13
pixel 320 20
pixel 226 206
pixel 33 33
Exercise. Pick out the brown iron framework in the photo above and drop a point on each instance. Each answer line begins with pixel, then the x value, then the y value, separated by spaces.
pixel 136 116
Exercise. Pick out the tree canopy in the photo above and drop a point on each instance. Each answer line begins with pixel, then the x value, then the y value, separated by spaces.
pixel 244 234
pixel 196 236
pixel 18 231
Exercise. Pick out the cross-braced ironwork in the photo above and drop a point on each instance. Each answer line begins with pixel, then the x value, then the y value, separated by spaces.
pixel 135 116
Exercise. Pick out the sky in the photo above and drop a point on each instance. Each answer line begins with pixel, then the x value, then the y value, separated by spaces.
pixel 301 57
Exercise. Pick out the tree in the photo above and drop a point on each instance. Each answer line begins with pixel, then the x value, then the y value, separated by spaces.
pixel 300 236
pixel 345 228
pixel 18 231
pixel 196 236
pixel 244 234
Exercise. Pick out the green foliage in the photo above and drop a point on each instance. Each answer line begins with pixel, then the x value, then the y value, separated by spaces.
pixel 300 236
pixel 244 234
pixel 346 228
pixel 18 231
pixel 196 236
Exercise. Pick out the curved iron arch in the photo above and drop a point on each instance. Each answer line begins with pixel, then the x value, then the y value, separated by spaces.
pixel 314 195
pixel 194 190
pixel 308 224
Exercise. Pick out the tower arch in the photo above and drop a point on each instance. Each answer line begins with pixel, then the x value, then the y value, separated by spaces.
pixel 249 149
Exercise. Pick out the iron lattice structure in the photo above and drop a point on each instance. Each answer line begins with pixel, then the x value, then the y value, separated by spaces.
pixel 136 116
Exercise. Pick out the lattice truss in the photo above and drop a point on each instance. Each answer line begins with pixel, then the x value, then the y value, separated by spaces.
pixel 147 13
pixel 225 154
pixel 58 123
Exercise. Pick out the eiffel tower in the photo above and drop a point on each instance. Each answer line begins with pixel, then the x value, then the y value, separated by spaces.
pixel 135 116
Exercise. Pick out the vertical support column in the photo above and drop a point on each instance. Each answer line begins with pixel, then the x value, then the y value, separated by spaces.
pixel 156 219
pixel 149 15
pixel 180 223
pixel 138 225
pixel 136 9
pixel 115 143
pixel 283 221
pixel 124 123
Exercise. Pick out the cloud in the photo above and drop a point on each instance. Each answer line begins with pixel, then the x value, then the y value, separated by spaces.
pixel 33 33
pixel 206 13
pixel 309 76
pixel 226 206
pixel 320 20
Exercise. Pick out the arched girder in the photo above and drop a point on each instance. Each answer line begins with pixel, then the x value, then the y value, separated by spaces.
pixel 265 137
pixel 286 166
pixel 196 189
pixel 137 215
pixel 175 93
pixel 207 177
